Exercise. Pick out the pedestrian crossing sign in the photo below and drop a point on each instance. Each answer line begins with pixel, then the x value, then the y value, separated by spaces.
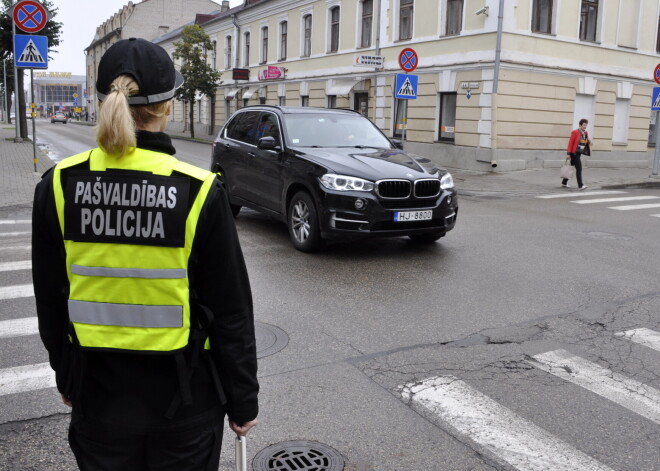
pixel 406 86
pixel 655 99
pixel 31 51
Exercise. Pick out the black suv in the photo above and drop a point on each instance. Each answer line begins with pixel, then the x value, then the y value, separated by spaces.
pixel 330 173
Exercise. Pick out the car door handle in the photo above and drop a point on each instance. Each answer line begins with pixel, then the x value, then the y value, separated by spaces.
pixel 251 154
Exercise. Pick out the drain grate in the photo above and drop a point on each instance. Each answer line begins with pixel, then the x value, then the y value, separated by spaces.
pixel 270 339
pixel 298 455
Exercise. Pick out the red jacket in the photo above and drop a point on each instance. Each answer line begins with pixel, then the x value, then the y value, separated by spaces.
pixel 575 140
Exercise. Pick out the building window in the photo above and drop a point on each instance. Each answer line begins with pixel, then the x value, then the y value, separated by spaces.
pixel 334 29
pixel 304 100
pixel 246 54
pixel 406 19
pixel 332 101
pixel 446 130
pixel 264 44
pixel 262 100
pixel 228 52
pixel 542 16
pixel 454 17
pixel 307 39
pixel 282 101
pixel 367 18
pixel 283 36
pixel 214 54
pixel 399 116
pixel 652 129
pixel 588 20
pixel 621 121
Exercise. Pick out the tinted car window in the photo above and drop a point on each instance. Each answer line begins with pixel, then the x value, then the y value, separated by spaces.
pixel 242 127
pixel 268 126
pixel 333 130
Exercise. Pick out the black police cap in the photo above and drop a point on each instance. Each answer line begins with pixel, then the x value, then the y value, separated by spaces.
pixel 148 64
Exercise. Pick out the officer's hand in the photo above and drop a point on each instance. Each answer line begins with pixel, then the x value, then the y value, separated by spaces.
pixel 242 430
pixel 66 401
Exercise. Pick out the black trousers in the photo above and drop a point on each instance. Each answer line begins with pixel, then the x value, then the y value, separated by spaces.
pixel 107 449
pixel 577 163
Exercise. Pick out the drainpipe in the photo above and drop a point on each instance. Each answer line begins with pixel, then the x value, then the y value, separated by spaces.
pixel 496 79
pixel 234 20
pixel 378 54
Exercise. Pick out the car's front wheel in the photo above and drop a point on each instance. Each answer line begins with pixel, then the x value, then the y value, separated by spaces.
pixel 426 238
pixel 303 223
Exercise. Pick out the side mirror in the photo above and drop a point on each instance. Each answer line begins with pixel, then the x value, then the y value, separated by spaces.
pixel 268 143
pixel 397 143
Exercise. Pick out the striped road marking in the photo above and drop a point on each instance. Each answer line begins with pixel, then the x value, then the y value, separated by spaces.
pixel 635 206
pixel 16 248
pixel 13 266
pixel 656 215
pixel 18 327
pixel 614 200
pixel 647 337
pixel 16 291
pixel 573 194
pixel 13 234
pixel 509 437
pixel 26 378
pixel 633 395
pixel 15 221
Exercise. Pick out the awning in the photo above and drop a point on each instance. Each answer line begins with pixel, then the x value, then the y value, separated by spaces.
pixel 231 93
pixel 251 91
pixel 340 87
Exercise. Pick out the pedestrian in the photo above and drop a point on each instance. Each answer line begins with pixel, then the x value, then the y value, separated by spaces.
pixel 142 292
pixel 579 144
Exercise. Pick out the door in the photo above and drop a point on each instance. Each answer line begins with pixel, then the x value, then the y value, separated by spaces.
pixel 266 166
pixel 361 103
pixel 238 150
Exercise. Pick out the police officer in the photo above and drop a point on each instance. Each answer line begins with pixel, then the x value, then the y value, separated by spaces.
pixel 142 293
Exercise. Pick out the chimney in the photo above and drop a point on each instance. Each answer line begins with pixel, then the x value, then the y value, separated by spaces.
pixel 225 5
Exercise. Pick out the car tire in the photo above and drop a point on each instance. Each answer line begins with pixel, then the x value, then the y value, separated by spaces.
pixel 426 238
pixel 303 223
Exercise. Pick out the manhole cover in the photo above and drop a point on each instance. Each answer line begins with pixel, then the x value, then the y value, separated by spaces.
pixel 298 455
pixel 270 339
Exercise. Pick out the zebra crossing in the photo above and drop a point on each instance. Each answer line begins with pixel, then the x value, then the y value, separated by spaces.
pixel 610 201
pixel 518 443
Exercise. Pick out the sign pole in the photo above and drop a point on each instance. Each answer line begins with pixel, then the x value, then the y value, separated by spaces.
pixel 656 159
pixel 16 118
pixel 34 118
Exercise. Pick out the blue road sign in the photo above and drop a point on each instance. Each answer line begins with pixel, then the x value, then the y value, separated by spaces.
pixel 406 86
pixel 31 51
pixel 655 100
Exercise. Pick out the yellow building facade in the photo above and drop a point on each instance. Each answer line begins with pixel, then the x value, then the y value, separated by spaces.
pixel 500 82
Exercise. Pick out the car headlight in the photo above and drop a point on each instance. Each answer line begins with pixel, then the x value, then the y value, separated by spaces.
pixel 345 183
pixel 446 181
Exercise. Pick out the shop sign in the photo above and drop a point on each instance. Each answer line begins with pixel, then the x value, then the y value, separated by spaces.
pixel 363 60
pixel 240 74
pixel 272 73
pixel 470 85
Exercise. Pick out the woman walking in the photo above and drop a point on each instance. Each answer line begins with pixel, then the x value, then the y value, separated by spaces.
pixel 578 144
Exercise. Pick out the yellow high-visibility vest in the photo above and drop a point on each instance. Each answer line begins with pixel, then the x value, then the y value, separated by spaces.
pixel 128 227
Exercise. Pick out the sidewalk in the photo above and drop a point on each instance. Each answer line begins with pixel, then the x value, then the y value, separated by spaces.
pixel 18 178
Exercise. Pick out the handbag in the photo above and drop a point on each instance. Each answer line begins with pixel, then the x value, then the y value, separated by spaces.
pixel 567 170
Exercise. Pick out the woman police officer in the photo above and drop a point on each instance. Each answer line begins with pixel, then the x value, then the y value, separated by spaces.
pixel 142 293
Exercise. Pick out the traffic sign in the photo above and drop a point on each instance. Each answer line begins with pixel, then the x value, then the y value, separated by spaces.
pixel 406 86
pixel 408 60
pixel 656 74
pixel 655 100
pixel 31 51
pixel 30 16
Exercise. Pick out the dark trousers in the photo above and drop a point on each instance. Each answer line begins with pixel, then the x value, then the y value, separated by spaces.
pixel 577 163
pixel 106 449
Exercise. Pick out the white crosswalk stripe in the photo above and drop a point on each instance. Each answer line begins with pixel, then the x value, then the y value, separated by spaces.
pixel 631 394
pixel 615 200
pixel 14 234
pixel 581 194
pixel 635 206
pixel 16 291
pixel 15 221
pixel 647 337
pixel 496 428
pixel 18 327
pixel 16 248
pixel 13 266
pixel 26 378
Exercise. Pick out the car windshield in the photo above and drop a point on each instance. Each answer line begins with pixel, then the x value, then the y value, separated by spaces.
pixel 333 130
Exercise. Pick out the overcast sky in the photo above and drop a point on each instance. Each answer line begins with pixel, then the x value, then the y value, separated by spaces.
pixel 80 19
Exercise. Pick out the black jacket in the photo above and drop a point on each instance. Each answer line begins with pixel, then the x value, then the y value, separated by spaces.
pixel 135 390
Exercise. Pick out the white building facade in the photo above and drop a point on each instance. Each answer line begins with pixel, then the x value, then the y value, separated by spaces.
pixel 495 85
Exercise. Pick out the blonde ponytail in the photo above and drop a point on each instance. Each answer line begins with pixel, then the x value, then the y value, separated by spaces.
pixel 115 132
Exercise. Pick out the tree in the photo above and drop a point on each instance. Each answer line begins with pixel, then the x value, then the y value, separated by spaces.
pixel 199 77
pixel 52 30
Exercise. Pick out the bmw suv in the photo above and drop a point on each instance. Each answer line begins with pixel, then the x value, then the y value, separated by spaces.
pixel 330 174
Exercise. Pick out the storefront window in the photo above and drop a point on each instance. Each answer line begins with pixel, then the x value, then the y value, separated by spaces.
pixel 447 130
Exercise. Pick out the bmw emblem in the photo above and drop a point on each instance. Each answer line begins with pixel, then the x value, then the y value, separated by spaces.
pixel 410 175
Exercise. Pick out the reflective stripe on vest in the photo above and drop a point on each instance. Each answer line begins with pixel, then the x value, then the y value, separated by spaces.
pixel 123 295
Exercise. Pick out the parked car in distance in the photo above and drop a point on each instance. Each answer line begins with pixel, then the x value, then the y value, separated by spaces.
pixel 59 118
pixel 330 174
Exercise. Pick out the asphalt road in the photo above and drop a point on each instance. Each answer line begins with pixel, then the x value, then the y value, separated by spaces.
pixel 530 313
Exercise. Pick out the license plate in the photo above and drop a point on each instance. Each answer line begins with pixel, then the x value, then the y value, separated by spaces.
pixel 402 216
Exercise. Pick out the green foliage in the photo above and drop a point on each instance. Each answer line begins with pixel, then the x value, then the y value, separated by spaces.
pixel 199 76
